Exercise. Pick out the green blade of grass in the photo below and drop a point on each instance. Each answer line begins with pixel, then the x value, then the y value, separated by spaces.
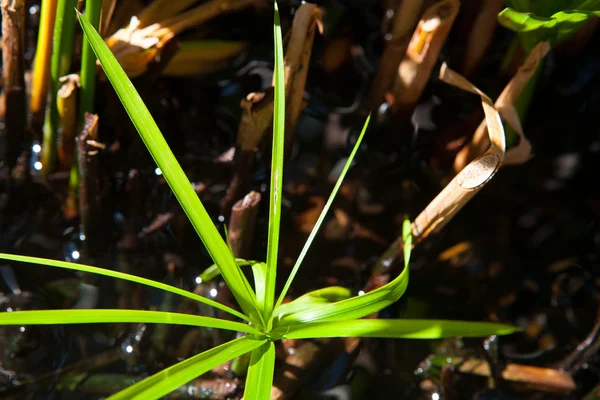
pixel 121 275
pixel 171 378
pixel 259 270
pixel 260 373
pixel 311 299
pixel 358 306
pixel 173 173
pixel 394 328
pixel 52 317
pixel 315 229
pixel 213 271
pixel 276 167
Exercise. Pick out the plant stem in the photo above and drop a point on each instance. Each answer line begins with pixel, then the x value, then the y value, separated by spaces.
pixel 241 228
pixel 89 203
pixel 62 48
pixel 41 68
pixel 66 104
pixel 406 18
pixel 93 9
pixel 13 28
pixel 422 54
pixel 297 59
pixel 257 116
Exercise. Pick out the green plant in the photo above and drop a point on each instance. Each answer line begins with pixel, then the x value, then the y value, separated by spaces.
pixel 540 21
pixel 329 312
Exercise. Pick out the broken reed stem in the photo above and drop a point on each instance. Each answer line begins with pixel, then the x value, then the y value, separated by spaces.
pixel 460 190
pixel 473 177
pixel 505 104
pixel 89 201
pixel 14 96
pixel 422 54
pixel 257 108
pixel 296 64
pixel 41 68
pixel 480 35
pixel 257 117
pixel 405 19
pixel 66 104
pixel 242 223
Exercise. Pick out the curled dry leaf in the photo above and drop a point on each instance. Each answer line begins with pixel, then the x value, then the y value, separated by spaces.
pixel 505 106
pixel 473 177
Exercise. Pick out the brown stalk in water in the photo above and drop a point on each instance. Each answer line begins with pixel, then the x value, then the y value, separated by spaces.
pixel 405 19
pixel 297 61
pixel 89 191
pixel 242 223
pixel 66 104
pixel 505 105
pixel 422 54
pixel 13 45
pixel 257 108
pixel 257 116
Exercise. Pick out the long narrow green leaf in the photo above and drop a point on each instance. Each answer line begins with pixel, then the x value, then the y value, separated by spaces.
pixel 171 378
pixel 213 271
pixel 121 275
pixel 311 299
pixel 315 229
pixel 174 175
pixel 260 373
pixel 259 270
pixel 394 328
pixel 52 317
pixel 358 306
pixel 276 167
